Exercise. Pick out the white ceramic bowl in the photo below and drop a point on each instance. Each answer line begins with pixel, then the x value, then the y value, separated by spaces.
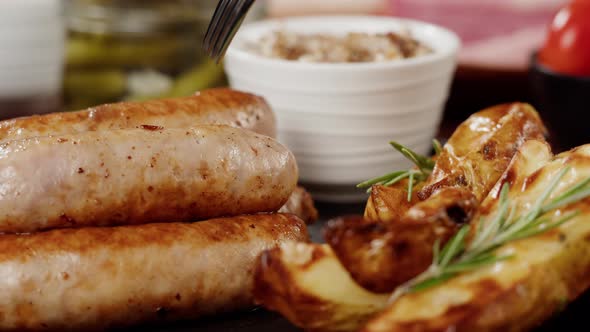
pixel 339 117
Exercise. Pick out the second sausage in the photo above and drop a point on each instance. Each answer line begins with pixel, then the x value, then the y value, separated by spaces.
pixel 138 176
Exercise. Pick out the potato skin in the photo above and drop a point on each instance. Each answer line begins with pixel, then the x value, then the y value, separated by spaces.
pixel 380 257
pixel 388 204
pixel 481 148
pixel 306 284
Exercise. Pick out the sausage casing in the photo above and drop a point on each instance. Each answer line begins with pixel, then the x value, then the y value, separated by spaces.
pixel 301 204
pixel 98 278
pixel 214 106
pixel 137 176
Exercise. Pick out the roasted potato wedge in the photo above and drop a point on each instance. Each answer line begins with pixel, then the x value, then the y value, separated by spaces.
pixel 473 159
pixel 379 256
pixel 306 283
pixel 546 271
pixel 481 148
pixel 531 156
pixel 382 255
pixel 388 203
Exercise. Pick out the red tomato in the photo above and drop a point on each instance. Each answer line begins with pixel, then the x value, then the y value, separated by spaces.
pixel 567 49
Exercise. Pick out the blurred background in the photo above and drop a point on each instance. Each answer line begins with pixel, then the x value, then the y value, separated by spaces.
pixel 73 54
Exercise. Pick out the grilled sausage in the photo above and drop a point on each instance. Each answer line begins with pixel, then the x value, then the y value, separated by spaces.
pixel 215 106
pixel 105 277
pixel 301 204
pixel 136 176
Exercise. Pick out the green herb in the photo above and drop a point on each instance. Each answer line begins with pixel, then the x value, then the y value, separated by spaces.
pixel 458 256
pixel 424 166
pixel 437 146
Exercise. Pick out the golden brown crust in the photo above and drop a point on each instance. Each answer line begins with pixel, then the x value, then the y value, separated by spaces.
pixel 272 282
pixel 301 204
pixel 381 256
pixel 481 148
pixel 94 278
pixel 306 283
pixel 215 106
pixel 388 204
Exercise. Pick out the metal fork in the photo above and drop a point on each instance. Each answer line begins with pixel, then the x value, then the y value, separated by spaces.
pixel 224 24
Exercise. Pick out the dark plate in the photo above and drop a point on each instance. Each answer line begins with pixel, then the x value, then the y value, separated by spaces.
pixel 572 319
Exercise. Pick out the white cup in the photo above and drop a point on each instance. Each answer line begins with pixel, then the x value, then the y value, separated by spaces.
pixel 338 118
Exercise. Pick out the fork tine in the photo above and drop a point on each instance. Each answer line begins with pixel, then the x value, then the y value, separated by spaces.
pixel 221 38
pixel 211 27
pixel 221 52
pixel 216 24
pixel 237 16
pixel 221 33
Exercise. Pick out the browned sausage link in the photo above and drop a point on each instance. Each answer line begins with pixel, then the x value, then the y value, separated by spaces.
pixel 301 204
pixel 215 106
pixel 382 256
pixel 94 278
pixel 136 176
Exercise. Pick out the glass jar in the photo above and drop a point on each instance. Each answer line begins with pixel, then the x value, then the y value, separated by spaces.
pixel 136 49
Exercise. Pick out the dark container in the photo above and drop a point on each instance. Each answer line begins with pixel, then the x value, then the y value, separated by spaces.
pixel 563 101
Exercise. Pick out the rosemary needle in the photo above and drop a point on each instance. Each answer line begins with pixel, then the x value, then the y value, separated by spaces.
pixel 424 166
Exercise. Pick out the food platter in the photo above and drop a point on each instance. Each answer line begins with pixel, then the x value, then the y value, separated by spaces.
pixel 571 318
pixel 197 212
pixel 265 251
pixel 260 320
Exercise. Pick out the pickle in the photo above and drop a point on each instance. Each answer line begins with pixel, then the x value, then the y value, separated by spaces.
pixel 98 84
pixel 105 51
pixel 205 75
pixel 136 49
pixel 197 78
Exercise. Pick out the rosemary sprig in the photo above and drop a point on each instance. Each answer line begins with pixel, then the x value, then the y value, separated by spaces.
pixel 437 146
pixel 458 256
pixel 424 166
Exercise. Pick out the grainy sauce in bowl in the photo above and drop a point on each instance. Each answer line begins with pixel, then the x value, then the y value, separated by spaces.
pixel 352 47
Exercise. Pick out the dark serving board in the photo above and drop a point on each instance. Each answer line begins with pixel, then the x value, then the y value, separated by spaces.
pixel 572 319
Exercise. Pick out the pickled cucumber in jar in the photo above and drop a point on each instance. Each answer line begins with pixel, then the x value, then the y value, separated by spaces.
pixel 136 49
